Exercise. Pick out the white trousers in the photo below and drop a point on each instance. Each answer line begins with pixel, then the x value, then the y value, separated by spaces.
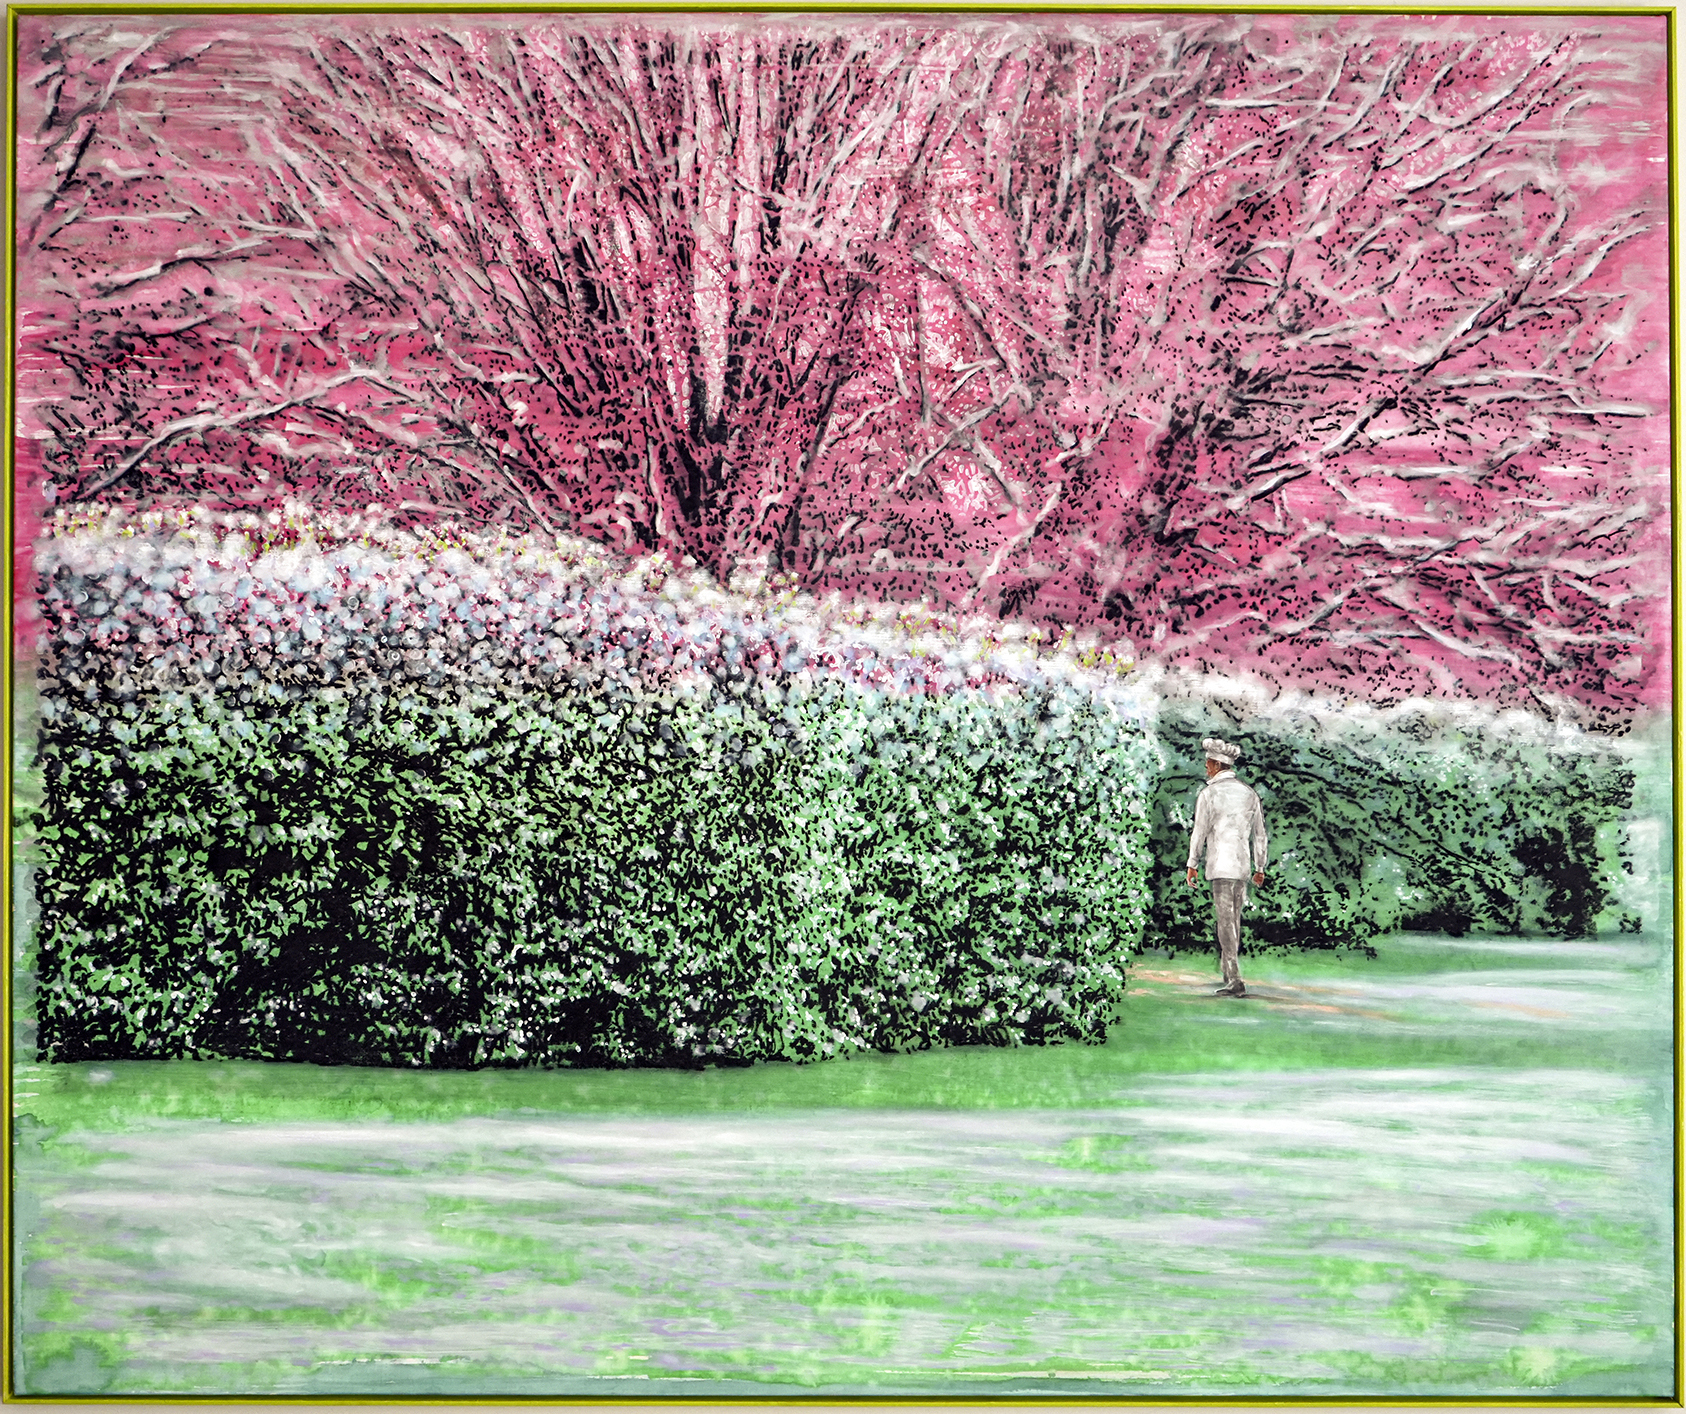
pixel 1229 896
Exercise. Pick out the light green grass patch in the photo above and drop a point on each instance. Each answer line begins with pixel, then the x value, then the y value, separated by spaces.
pixel 1406 1177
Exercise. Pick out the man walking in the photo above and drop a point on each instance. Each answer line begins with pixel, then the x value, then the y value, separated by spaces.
pixel 1229 829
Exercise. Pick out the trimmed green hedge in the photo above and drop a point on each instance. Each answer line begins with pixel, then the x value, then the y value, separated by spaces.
pixel 1434 820
pixel 605 874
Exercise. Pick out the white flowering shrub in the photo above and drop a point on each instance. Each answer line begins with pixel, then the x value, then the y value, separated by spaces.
pixel 332 794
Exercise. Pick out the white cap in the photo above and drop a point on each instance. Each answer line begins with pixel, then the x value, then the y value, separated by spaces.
pixel 1221 751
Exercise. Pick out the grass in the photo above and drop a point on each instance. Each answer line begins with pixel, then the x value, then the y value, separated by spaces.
pixel 1442 1171
pixel 1159 1033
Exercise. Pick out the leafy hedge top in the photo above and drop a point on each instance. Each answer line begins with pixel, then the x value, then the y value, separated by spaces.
pixel 179 595
pixel 1418 728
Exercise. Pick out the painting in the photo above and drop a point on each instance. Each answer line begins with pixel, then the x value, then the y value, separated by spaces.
pixel 728 703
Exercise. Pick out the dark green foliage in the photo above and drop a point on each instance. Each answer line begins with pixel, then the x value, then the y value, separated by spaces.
pixel 1414 822
pixel 601 875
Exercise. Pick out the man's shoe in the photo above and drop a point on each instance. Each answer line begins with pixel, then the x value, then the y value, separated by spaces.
pixel 1233 989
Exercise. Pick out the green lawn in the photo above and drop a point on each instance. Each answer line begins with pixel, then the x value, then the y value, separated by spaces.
pixel 1444 1171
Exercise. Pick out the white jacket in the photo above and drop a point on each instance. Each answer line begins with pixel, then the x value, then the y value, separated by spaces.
pixel 1228 824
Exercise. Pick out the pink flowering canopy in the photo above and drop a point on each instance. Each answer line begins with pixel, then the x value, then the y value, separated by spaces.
pixel 1328 348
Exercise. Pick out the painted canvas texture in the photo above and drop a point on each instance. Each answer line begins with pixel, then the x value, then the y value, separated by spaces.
pixel 620 622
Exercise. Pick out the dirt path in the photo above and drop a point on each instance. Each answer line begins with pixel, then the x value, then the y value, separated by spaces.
pixel 1277 996
pixel 1622 985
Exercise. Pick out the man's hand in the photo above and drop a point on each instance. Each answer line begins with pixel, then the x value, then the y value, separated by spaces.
pixel 1258 878
pixel 1191 877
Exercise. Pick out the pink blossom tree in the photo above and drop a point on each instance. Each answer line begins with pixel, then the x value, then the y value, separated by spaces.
pixel 1340 351
pixel 1328 347
pixel 611 278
